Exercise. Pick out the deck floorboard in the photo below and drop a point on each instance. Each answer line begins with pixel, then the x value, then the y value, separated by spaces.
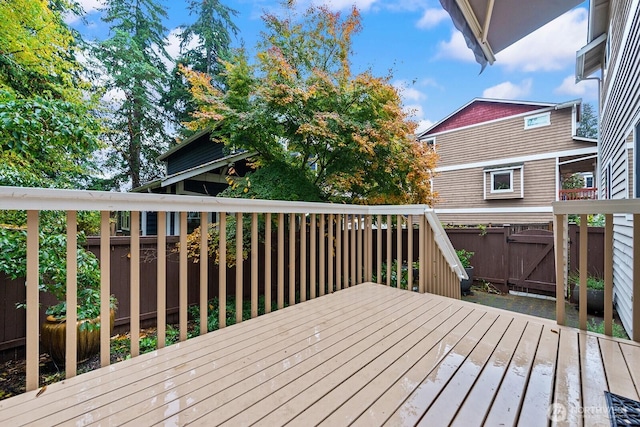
pixel 366 355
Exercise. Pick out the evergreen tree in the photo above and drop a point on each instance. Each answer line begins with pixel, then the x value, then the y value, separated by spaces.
pixel 210 39
pixel 132 58
pixel 588 127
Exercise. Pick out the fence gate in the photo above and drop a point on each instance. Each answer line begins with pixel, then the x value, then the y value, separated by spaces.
pixel 531 261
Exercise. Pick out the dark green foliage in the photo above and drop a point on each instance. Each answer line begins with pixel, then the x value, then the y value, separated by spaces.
pixel 133 59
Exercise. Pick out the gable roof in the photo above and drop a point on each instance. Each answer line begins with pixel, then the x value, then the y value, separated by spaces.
pixel 481 110
pixel 183 144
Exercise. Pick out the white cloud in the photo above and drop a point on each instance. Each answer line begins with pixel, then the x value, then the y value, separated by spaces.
pixel 408 92
pixel 432 17
pixel 586 88
pixel 508 90
pixel 455 48
pixel 552 47
pixel 89 6
pixel 424 125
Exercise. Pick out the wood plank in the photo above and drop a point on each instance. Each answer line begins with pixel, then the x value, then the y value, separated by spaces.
pixel 274 401
pixel 540 386
pixel 225 341
pixel 593 380
pixel 421 365
pixel 444 407
pixel 474 408
pixel 507 403
pixel 567 392
pixel 616 369
pixel 217 386
pixel 430 353
pixel 632 357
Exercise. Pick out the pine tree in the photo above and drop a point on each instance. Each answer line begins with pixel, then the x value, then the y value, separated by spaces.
pixel 588 127
pixel 133 59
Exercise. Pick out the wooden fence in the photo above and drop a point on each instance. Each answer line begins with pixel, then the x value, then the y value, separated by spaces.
pixel 522 259
pixel 12 319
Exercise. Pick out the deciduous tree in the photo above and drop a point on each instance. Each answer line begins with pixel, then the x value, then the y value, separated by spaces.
pixel 307 116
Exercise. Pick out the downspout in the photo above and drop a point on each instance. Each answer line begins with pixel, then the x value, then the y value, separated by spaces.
pixel 597 177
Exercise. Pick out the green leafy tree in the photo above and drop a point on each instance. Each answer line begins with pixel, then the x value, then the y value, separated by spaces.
pixel 48 127
pixel 203 46
pixel 309 118
pixel 132 58
pixel 588 127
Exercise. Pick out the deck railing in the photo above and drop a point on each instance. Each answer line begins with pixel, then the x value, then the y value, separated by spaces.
pixel 621 217
pixel 578 194
pixel 340 253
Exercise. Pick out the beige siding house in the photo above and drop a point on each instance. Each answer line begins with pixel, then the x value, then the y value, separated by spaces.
pixel 611 56
pixel 502 162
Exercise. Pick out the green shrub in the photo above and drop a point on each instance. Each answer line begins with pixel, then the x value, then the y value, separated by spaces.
pixel 598 327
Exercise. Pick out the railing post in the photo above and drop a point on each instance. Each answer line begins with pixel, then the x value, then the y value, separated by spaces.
pixel 33 303
pixel 72 295
pixel 204 271
pixel 312 256
pixel 608 274
pixel 635 309
pixel 303 258
pixel 410 252
pixel 379 250
pixel 330 255
pixel 161 302
pixel 254 264
pixel 280 296
pixel 560 267
pixel 338 252
pixel 184 278
pixel 267 263
pixel 292 259
pixel 222 270
pixel 421 254
pixel 389 247
pixel 134 309
pixel 239 268
pixel 582 314
pixel 322 252
pixel 399 252
pixel 105 288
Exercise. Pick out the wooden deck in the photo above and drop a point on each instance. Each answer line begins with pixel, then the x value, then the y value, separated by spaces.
pixel 367 355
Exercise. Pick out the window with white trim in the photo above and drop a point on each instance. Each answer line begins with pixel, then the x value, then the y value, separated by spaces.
pixel 430 142
pixel 502 181
pixel 537 120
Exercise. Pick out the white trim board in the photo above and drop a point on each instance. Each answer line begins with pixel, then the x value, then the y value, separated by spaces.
pixel 530 209
pixel 520 159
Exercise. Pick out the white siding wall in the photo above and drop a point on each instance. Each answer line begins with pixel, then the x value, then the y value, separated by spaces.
pixel 620 111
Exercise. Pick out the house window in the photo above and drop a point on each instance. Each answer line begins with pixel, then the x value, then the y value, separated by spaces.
pixel 588 181
pixel 430 142
pixel 537 120
pixel 125 221
pixel 502 181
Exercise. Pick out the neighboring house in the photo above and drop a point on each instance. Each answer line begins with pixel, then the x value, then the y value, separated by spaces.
pixel 502 162
pixel 196 166
pixel 610 56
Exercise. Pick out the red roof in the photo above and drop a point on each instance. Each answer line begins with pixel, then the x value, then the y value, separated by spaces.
pixel 480 111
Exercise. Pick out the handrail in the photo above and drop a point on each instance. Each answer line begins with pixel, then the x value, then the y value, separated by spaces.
pixel 350 254
pixel 629 223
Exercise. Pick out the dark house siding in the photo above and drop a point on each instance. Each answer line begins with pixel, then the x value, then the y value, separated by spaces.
pixel 196 153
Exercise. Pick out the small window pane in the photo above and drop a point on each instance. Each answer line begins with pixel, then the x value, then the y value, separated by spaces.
pixel 502 181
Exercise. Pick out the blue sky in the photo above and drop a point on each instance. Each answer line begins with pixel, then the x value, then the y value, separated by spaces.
pixel 430 63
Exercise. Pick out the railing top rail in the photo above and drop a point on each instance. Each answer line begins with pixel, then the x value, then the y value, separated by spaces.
pixel 624 206
pixel 20 198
